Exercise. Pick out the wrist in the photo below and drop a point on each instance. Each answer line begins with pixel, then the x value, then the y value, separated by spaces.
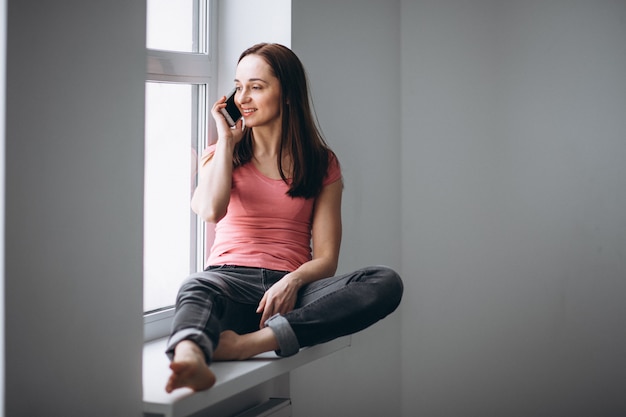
pixel 295 280
pixel 226 143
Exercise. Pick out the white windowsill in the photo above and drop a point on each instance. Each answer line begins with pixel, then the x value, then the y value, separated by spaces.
pixel 232 377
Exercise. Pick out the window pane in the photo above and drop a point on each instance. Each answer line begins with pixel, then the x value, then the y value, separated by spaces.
pixel 171 25
pixel 170 161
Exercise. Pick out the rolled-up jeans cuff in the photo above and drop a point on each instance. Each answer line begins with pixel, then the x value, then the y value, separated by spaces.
pixel 287 340
pixel 196 336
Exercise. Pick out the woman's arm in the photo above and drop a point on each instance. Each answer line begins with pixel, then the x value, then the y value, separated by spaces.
pixel 212 195
pixel 326 236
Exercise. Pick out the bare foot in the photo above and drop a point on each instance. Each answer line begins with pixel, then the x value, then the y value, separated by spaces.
pixel 189 369
pixel 235 347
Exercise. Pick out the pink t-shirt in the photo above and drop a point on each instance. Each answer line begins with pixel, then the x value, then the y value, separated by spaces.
pixel 264 227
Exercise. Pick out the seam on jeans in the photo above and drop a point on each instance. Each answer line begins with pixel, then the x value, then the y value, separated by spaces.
pixel 264 277
pixel 316 301
pixel 330 282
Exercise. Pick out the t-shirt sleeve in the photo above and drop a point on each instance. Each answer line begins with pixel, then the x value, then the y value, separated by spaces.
pixel 334 169
pixel 207 154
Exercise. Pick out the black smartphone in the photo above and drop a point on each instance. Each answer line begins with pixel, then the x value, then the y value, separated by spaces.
pixel 231 112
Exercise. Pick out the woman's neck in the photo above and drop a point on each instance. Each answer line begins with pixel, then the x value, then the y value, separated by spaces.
pixel 265 150
pixel 266 141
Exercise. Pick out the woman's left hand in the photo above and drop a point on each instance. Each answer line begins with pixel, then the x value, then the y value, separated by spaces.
pixel 279 299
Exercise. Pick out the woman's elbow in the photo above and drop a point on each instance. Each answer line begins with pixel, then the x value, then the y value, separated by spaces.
pixel 208 213
pixel 332 263
pixel 212 217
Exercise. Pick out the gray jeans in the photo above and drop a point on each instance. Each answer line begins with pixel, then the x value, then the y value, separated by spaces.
pixel 226 297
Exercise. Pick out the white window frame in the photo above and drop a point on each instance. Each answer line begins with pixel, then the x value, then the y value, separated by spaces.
pixel 189 68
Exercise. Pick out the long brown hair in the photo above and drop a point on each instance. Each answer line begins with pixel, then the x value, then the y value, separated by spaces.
pixel 300 135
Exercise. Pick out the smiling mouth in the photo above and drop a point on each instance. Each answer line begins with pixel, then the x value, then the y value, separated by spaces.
pixel 248 111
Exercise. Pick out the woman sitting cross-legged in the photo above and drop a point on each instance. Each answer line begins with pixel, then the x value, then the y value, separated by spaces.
pixel 273 188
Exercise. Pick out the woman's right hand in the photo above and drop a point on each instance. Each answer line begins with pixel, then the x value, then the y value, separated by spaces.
pixel 234 133
pixel 212 194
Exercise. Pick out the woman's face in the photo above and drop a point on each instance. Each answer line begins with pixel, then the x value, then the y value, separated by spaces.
pixel 258 92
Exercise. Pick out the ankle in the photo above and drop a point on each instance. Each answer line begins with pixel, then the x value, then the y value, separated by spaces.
pixel 261 341
pixel 187 348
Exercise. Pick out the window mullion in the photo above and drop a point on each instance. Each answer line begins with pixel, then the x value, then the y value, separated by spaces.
pixel 177 67
pixel 199 142
pixel 202 33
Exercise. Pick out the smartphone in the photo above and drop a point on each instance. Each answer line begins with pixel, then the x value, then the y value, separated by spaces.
pixel 231 112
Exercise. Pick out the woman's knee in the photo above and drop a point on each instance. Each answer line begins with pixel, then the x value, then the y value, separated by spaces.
pixel 198 288
pixel 190 284
pixel 390 283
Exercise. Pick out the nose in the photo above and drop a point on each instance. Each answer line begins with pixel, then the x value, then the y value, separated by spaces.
pixel 243 96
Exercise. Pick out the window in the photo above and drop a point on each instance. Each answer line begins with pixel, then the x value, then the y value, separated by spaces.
pixel 179 81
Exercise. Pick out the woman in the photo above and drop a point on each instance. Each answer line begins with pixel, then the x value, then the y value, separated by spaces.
pixel 274 190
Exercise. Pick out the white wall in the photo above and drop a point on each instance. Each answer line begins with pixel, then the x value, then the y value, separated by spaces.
pixel 514 208
pixel 243 23
pixel 73 241
pixel 351 52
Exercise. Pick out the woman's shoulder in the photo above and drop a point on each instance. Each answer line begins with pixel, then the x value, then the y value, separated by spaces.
pixel 333 173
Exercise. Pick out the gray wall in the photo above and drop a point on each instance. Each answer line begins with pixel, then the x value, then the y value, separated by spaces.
pixel 514 208
pixel 513 202
pixel 350 49
pixel 74 168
